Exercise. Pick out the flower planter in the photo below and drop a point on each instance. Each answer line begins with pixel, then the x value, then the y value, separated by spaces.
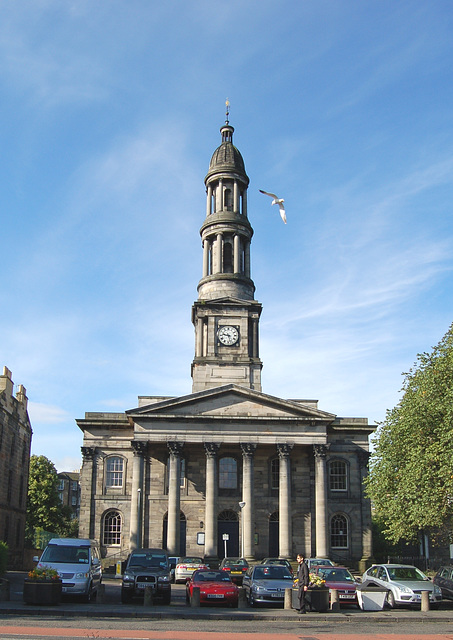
pixel 41 592
pixel 317 599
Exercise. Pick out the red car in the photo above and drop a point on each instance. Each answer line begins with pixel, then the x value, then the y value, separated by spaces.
pixel 215 588
pixel 342 580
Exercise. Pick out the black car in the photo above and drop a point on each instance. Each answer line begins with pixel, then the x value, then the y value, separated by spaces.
pixel 235 568
pixel 146 568
pixel 444 580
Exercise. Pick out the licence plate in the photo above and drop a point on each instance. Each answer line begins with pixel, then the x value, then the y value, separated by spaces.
pixel 215 595
pixel 346 596
pixel 276 595
pixel 143 585
pixel 64 589
pixel 235 573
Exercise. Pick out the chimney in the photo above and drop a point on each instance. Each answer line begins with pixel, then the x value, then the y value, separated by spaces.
pixel 6 382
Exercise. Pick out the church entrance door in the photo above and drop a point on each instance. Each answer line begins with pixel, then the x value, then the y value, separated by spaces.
pixel 228 524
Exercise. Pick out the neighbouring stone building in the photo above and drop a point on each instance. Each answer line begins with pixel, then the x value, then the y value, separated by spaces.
pixel 15 443
pixel 69 491
pixel 273 476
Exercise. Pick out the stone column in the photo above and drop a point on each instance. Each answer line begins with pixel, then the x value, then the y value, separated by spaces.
pixel 247 260
pixel 209 201
pixel 219 253
pixel 284 501
pixel 235 197
pixel 322 527
pixel 88 486
pixel 244 202
pixel 237 253
pixel 367 536
pixel 206 248
pixel 174 498
pixel 199 340
pixel 137 497
pixel 210 519
pixel 248 511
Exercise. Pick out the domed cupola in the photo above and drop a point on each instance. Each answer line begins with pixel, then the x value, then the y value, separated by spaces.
pixel 226 232
pixel 227 158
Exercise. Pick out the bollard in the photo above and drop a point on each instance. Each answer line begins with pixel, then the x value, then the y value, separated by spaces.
pixel 148 597
pixel 195 600
pixel 334 602
pixel 242 600
pixel 100 594
pixel 4 590
pixel 288 602
pixel 425 601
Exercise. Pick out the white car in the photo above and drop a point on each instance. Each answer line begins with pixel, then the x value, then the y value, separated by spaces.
pixel 186 566
pixel 404 582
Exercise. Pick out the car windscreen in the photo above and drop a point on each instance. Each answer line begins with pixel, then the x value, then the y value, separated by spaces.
pixel 210 576
pixel 273 572
pixel 406 573
pixel 147 560
pixel 66 554
pixel 335 575
pixel 190 560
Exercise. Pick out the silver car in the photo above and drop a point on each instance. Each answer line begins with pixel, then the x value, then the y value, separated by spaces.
pixel 404 582
pixel 266 583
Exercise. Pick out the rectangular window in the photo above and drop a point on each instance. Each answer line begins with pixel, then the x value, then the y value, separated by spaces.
pixel 114 477
pixel 228 473
pixel 338 477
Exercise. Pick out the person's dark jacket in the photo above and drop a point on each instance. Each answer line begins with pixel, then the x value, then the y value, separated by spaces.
pixel 303 575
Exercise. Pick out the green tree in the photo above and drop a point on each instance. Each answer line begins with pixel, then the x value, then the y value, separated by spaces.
pixel 44 508
pixel 411 469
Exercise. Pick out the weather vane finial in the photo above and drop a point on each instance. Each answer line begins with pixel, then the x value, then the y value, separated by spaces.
pixel 227 104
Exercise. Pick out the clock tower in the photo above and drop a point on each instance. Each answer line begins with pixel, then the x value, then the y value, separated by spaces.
pixel 226 315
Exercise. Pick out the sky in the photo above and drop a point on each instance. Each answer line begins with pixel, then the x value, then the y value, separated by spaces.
pixel 110 113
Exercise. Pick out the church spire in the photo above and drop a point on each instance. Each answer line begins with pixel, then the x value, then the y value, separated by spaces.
pixel 226 314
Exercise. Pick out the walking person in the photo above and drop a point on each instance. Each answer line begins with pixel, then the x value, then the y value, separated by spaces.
pixel 304 579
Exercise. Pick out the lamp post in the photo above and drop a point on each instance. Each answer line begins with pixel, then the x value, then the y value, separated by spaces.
pixel 241 507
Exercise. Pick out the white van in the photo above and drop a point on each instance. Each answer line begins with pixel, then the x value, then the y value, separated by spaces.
pixel 78 563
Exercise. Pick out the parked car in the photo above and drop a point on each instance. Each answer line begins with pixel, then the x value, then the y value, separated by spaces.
pixel 282 561
pixel 341 579
pixel 146 568
pixel 235 568
pixel 186 566
pixel 318 562
pixel 215 587
pixel 404 583
pixel 78 563
pixel 266 583
pixel 444 580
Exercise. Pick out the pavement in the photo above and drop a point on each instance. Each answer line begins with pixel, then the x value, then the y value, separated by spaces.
pixel 111 607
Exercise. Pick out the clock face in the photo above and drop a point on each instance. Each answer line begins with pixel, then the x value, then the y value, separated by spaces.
pixel 228 335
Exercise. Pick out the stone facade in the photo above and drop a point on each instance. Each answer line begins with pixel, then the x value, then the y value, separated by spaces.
pixel 273 476
pixel 15 443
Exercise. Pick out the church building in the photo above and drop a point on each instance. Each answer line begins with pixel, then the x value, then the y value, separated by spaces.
pixel 228 469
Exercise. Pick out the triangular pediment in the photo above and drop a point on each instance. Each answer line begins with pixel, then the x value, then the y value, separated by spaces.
pixel 230 401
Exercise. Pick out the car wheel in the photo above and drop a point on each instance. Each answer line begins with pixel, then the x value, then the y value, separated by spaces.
pixel 390 599
pixel 89 595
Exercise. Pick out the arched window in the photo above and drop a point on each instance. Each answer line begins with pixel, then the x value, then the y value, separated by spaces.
pixel 275 473
pixel 228 473
pixel 227 258
pixel 228 516
pixel 111 532
pixel 338 475
pixel 228 199
pixel 339 532
pixel 114 470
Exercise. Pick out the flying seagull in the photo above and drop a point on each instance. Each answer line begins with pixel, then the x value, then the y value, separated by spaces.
pixel 277 200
